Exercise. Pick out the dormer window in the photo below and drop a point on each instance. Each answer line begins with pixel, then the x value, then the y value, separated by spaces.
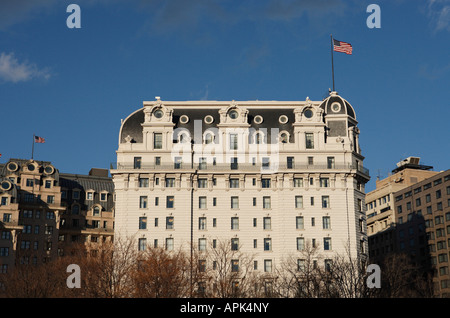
pixel 233 114
pixel 158 113
pixel 90 195
pixel 308 113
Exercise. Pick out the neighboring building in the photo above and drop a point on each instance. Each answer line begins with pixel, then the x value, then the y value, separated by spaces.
pixel 38 206
pixel 380 205
pixel 267 176
pixel 89 202
pixel 422 217
pixel 31 208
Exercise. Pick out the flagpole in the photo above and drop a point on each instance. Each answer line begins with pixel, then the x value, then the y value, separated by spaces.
pixel 32 149
pixel 332 62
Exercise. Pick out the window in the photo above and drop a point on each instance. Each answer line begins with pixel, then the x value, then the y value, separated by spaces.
pixel 202 183
pixel 234 183
pixel 265 162
pixel 170 182
pixel 169 244
pixel 309 139
pixel 50 199
pixel 418 202
pixel 201 163
pixel 299 223
pixel 177 163
pixel 157 161
pixel 330 162
pixel 209 138
pixel 310 161
pixel 234 244
pixel 290 162
pixel 265 183
pixel 234 265
pixel 202 223
pixel 324 182
pixel 266 203
pixel 30 182
pixel 300 243
pixel 143 182
pixel 142 244
pixel 142 223
pixel 268 265
pixel 325 201
pixel 48 184
pixel 267 244
pixel 143 200
pixel 298 201
pixel 326 222
pixel 235 202
pixel 267 223
pixel 235 223
pixel 157 141
pixel 169 222
pixel 298 182
pixel 170 200
pixel 233 141
pixel 90 196
pixel 137 162
pixel 438 194
pixel 254 201
pixel 234 163
pixel 96 211
pixel 327 243
pixel 4 201
pixel 202 202
pixel 156 201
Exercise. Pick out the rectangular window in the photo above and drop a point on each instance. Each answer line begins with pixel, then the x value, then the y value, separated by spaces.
pixel 330 162
pixel 202 202
pixel 290 162
pixel 142 244
pixel 265 183
pixel 234 244
pixel 300 243
pixel 170 201
pixel 90 196
pixel 170 182
pixel 267 244
pixel 202 223
pixel 157 141
pixel 299 223
pixel 177 163
pixel 48 184
pixel 234 163
pixel 309 139
pixel 324 182
pixel 169 244
pixel 326 222
pixel 142 223
pixel 266 203
pixel 202 183
pixel 254 201
pixel 143 200
pixel 157 161
pixel 30 182
pixel 235 223
pixel 327 243
pixel 214 201
pixel 298 182
pixel 267 223
pixel 233 141
pixel 169 222
pixel 325 201
pixel 234 183
pixel 235 265
pixel 201 163
pixel 298 201
pixel 50 199
pixel 265 162
pixel 137 162
pixel 235 202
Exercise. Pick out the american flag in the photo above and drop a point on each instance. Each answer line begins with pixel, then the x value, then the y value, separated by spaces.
pixel 39 140
pixel 343 47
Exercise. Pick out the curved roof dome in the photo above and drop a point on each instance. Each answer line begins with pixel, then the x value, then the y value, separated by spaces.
pixel 335 104
pixel 132 127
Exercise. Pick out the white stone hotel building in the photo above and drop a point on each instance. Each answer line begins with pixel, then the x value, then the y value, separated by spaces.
pixel 269 177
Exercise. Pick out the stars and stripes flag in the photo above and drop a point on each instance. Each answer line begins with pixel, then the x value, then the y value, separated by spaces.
pixel 39 140
pixel 340 46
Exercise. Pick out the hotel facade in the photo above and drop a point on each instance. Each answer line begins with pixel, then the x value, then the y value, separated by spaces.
pixel 267 177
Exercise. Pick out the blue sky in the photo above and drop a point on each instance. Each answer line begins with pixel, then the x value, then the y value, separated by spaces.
pixel 73 86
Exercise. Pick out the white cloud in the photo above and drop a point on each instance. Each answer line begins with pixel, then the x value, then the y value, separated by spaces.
pixel 11 70
pixel 439 13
